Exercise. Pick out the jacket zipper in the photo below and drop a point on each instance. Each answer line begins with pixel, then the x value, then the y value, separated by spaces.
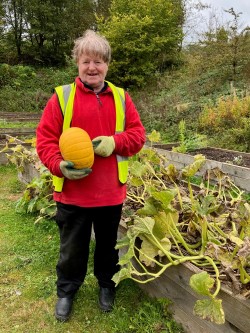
pixel 98 98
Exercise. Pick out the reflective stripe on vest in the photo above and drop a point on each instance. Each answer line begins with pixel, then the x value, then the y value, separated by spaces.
pixel 66 96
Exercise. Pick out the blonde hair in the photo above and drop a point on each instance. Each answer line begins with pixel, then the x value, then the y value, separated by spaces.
pixel 92 44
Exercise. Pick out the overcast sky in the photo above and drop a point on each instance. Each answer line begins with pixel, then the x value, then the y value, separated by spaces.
pixel 238 6
pixel 215 16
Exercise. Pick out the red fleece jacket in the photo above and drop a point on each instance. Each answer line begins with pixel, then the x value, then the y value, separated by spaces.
pixel 97 116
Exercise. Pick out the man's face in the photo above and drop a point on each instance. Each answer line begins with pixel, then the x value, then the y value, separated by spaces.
pixel 92 71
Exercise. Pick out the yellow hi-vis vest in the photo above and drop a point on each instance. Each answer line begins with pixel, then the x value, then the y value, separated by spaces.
pixel 66 94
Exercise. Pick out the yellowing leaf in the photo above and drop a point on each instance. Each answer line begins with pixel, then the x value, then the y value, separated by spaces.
pixel 165 197
pixel 235 239
pixel 150 208
pixel 149 252
pixel 163 222
pixel 123 274
pixel 172 172
pixel 191 169
pixel 137 169
pixel 143 225
pixel 210 309
pixel 135 181
pixel 166 244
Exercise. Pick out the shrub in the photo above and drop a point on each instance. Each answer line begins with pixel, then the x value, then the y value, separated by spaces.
pixel 228 111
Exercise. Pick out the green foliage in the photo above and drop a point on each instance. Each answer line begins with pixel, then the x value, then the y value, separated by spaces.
pixel 37 197
pixel 209 308
pixel 154 137
pixel 15 76
pixel 195 141
pixel 26 89
pixel 151 42
pixel 43 33
pixel 173 222
pixel 223 50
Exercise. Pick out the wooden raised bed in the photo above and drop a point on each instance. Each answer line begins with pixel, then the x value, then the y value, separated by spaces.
pixel 20 116
pixel 174 285
pixel 17 132
pixel 238 174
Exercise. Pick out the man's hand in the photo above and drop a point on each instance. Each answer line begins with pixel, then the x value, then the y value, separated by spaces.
pixel 69 172
pixel 105 147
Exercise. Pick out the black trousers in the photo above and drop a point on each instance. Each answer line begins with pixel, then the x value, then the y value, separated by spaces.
pixel 75 225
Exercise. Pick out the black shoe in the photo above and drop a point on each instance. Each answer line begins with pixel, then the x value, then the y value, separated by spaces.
pixel 63 308
pixel 106 299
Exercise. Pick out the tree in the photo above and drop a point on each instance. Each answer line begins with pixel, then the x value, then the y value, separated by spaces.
pixel 53 25
pixel 236 43
pixel 145 37
pixel 228 46
pixel 44 31
pixel 14 22
pixel 102 8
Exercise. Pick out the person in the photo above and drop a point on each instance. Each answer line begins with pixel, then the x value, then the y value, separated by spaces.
pixel 89 197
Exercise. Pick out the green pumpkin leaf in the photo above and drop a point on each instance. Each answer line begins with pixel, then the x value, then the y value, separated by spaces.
pixel 135 181
pixel 125 259
pixel 191 169
pixel 163 222
pixel 201 283
pixel 165 197
pixel 122 242
pixel 150 208
pixel 137 169
pixel 123 274
pixel 143 225
pixel 148 250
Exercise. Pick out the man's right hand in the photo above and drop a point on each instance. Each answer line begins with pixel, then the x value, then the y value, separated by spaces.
pixel 69 172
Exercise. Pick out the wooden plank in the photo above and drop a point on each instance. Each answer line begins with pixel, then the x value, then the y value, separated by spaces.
pixel 239 175
pixel 241 183
pixel 17 131
pixel 240 318
pixel 174 285
pixel 28 173
pixel 183 303
pixel 236 170
pixel 3 159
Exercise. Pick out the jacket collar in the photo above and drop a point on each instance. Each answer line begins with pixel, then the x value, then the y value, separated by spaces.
pixel 90 88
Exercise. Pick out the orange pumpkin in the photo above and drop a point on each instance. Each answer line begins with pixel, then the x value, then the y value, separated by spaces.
pixel 76 146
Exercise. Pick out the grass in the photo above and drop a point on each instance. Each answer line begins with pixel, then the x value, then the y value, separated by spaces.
pixel 28 255
pixel 11 124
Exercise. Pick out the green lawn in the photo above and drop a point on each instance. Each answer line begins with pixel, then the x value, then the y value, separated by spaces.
pixel 28 255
